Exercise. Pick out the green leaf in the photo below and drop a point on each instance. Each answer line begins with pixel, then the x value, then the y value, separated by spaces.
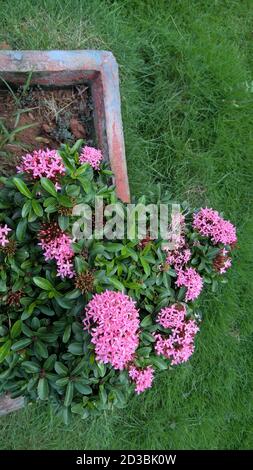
pixel 32 216
pixel 86 184
pixel 147 321
pixel 130 252
pixel 21 230
pixel 31 367
pixel 43 283
pixel 144 351
pixel 113 247
pixel 64 303
pixel 43 389
pixel 37 208
pixel 120 396
pixel 76 349
pixel 63 222
pixel 21 186
pixel 46 310
pixel 50 201
pixel 77 408
pixel 147 336
pixel 51 209
pixel 49 363
pixel 102 394
pixel 159 363
pixel 31 383
pixel 116 283
pixel 48 186
pixel 214 286
pixel 28 311
pixel 83 388
pixel 76 146
pixel 212 252
pixel 61 369
pixel 67 333
pixel 16 329
pixel 181 293
pixel 69 394
pixel 65 201
pixel 4 350
pixel 62 382
pixel 102 369
pixel 145 266
pixel 81 170
pixel 166 280
pixel 21 344
pixel 80 264
pixel 80 367
pixel 73 190
pixel 41 349
pixel 72 295
pixel 3 286
pixel 66 415
pixel 26 209
pixel 18 285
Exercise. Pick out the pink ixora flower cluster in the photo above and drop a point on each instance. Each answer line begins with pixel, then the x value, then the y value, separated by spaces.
pixel 113 321
pixel 4 230
pixel 42 163
pixel 209 223
pixel 177 346
pixel 57 246
pixel 193 282
pixel 92 156
pixel 180 256
pixel 143 378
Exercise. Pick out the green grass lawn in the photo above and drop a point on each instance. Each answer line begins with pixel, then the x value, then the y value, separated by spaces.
pixel 187 96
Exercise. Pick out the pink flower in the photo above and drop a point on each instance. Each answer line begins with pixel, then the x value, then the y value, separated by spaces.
pixel 190 279
pixel 209 223
pixel 172 317
pixel 113 321
pixel 178 346
pixel 92 156
pixel 180 256
pixel 143 378
pixel 4 230
pixel 57 246
pixel 42 163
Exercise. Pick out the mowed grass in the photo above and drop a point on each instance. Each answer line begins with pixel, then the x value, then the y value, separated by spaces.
pixel 187 98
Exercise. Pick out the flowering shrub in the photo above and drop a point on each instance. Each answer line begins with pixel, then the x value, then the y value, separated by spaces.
pixel 85 322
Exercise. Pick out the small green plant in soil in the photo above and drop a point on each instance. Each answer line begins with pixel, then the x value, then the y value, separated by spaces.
pixel 32 116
